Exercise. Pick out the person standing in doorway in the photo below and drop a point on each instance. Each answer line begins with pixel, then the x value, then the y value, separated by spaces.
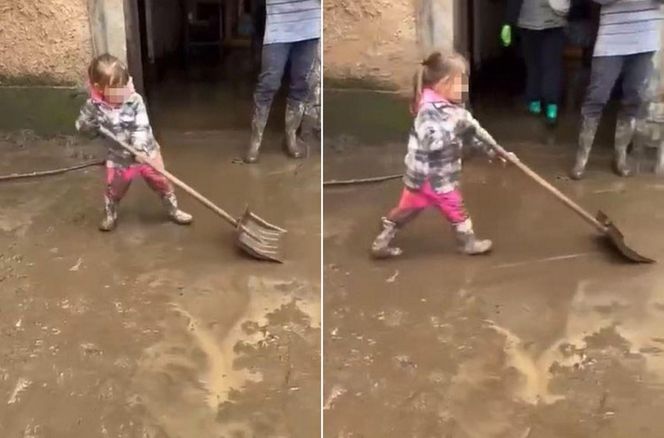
pixel 541 28
pixel 627 39
pixel 292 33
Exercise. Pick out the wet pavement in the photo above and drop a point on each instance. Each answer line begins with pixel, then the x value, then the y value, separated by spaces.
pixel 156 330
pixel 550 336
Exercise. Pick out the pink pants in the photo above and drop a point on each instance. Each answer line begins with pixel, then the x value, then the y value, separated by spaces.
pixel 450 204
pixel 118 180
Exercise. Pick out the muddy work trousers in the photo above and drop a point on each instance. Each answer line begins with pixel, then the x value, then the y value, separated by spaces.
pixel 449 204
pixel 275 58
pixel 118 180
pixel 635 71
pixel 543 52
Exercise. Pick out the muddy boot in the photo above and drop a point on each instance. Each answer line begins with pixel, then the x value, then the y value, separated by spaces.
pixel 381 248
pixel 258 122
pixel 625 128
pixel 294 114
pixel 659 166
pixel 110 219
pixel 586 139
pixel 174 213
pixel 467 242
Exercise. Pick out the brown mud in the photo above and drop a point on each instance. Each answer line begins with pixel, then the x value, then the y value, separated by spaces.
pixel 550 336
pixel 156 330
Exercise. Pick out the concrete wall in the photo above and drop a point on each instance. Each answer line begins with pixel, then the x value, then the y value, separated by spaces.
pixel 381 41
pixel 107 22
pixel 43 41
pixel 435 24
pixel 45 48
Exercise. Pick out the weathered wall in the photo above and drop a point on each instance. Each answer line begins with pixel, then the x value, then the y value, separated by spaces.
pixel 382 40
pixel 107 22
pixel 43 41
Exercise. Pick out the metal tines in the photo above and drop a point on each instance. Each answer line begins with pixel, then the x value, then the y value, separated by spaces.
pixel 259 238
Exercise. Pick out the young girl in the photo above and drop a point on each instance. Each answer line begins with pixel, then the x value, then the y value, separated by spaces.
pixel 114 105
pixel 433 161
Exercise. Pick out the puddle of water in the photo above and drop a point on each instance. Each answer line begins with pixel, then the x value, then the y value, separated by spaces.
pixel 595 307
pixel 200 363
pixel 534 385
pixel 633 308
pixel 19 217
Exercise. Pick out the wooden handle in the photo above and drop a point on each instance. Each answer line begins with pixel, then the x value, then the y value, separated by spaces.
pixel 175 180
pixel 486 137
pixel 200 198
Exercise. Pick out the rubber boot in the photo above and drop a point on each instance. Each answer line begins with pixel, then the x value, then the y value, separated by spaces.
pixel 659 166
pixel 381 248
pixel 110 219
pixel 174 213
pixel 294 114
pixel 586 139
pixel 535 107
pixel 258 122
pixel 625 127
pixel 552 114
pixel 467 242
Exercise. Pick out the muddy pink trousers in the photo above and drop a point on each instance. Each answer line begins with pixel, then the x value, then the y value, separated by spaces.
pixel 450 205
pixel 118 180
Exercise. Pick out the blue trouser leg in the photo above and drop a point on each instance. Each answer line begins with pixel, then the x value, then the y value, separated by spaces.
pixel 604 73
pixel 302 57
pixel 531 40
pixel 636 74
pixel 543 53
pixel 273 64
pixel 553 45
pixel 606 70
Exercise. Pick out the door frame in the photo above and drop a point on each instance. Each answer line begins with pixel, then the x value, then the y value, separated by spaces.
pixel 134 50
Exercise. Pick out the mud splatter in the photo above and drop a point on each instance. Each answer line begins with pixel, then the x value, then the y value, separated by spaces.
pixel 147 331
pixel 549 336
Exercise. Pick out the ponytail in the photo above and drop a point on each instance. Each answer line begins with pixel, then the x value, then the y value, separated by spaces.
pixel 418 81
pixel 438 65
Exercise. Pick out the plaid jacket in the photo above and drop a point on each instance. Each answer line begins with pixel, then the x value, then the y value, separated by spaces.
pixel 129 122
pixel 435 146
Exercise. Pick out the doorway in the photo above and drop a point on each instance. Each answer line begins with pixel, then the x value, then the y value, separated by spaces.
pixel 498 73
pixel 198 59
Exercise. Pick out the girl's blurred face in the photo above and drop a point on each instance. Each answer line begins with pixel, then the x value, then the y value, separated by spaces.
pixel 116 95
pixel 453 88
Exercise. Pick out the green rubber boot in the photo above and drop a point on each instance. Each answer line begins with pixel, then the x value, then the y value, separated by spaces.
pixel 535 107
pixel 552 114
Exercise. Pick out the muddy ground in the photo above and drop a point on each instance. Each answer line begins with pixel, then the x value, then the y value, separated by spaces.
pixel 551 336
pixel 156 330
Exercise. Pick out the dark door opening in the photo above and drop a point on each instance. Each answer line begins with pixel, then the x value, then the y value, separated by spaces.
pixel 200 60
pixel 498 73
